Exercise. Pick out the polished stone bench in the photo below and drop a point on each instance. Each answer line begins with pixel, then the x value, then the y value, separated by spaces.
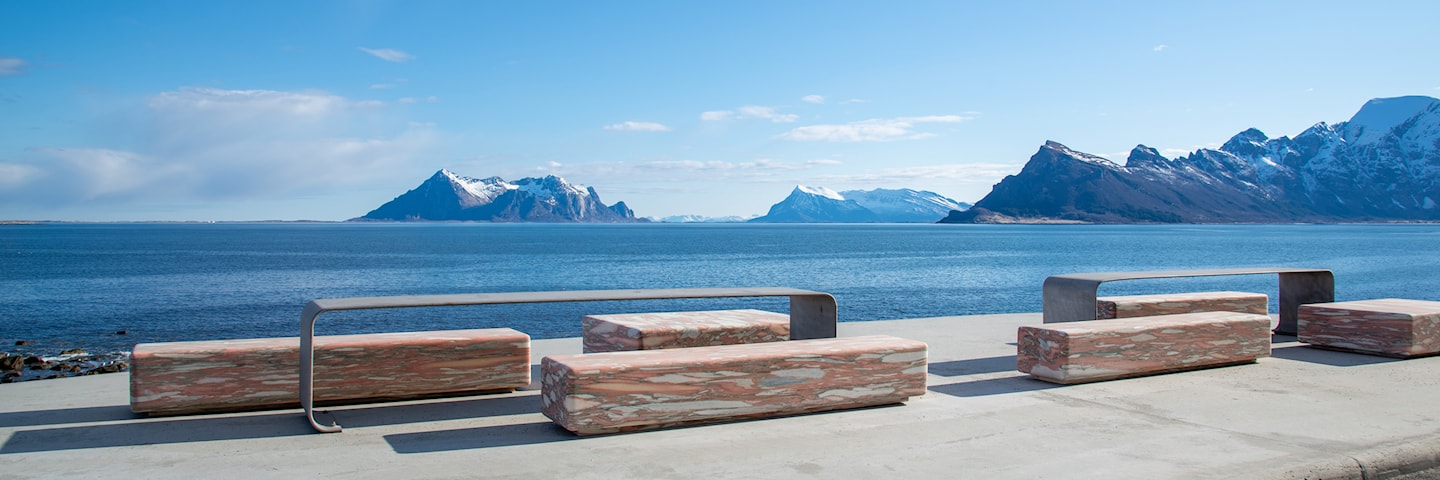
pixel 1127 306
pixel 654 331
pixel 1131 347
pixel 1071 297
pixel 1392 327
pixel 181 378
pixel 613 392
pixel 812 315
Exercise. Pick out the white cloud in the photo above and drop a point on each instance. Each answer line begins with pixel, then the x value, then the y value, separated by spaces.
pixel 967 173
pixel 1173 153
pixel 12 66
pixel 638 127
pixel 1160 48
pixel 672 171
pixel 716 115
pixel 389 54
pixel 767 113
pixel 873 130
pixel 823 161
pixel 413 100
pixel 206 144
pixel 15 175
pixel 750 111
pixel 813 98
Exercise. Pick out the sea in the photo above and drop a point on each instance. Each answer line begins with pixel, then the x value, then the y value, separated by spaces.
pixel 104 287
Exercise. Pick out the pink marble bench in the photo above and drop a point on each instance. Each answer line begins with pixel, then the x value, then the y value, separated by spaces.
pixel 256 374
pixel 653 331
pixel 622 391
pixel 1127 306
pixel 1392 327
pixel 1100 350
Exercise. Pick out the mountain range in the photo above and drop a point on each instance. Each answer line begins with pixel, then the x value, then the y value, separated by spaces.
pixel 447 196
pixel 1381 165
pixel 822 205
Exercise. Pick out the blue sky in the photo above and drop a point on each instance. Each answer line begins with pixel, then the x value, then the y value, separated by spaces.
pixel 324 110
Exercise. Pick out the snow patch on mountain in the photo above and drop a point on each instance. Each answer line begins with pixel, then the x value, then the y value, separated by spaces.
pixel 821 191
pixel 1380 116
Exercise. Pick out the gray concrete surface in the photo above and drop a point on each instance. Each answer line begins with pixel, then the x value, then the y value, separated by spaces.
pixel 1303 413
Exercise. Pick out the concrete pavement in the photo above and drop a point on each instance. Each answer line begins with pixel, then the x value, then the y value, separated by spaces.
pixel 1303 413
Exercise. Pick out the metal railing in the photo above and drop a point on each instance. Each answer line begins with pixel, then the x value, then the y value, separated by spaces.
pixel 1071 297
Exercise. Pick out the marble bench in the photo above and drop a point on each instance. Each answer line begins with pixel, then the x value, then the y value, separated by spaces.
pixel 1100 350
pixel 1391 327
pixel 1127 306
pixel 181 378
pixel 654 331
pixel 613 392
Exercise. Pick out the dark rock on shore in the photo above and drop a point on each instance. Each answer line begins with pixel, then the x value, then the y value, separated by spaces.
pixel 70 363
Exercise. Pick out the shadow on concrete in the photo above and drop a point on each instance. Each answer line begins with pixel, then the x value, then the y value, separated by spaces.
pixel 157 432
pixel 372 416
pixel 1304 353
pixel 477 438
pixel 973 366
pixel 280 423
pixel 993 386
pixel 64 416
pixel 534 380
pixel 548 432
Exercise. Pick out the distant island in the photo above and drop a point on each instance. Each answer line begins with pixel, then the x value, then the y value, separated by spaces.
pixel 822 205
pixel 1383 165
pixel 446 196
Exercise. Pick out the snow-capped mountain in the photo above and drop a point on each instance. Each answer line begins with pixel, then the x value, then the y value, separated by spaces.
pixel 447 196
pixel 1381 165
pixel 818 204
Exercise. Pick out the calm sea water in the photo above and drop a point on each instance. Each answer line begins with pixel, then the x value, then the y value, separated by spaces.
pixel 76 285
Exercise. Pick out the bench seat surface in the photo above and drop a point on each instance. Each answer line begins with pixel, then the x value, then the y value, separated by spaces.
pixel 1125 306
pixel 1098 350
pixel 1392 327
pixel 621 391
pixel 651 331
pixel 254 374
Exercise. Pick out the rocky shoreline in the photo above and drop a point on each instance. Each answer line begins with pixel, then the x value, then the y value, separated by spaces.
pixel 68 363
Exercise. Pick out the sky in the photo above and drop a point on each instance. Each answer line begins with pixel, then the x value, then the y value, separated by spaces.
pixel 315 110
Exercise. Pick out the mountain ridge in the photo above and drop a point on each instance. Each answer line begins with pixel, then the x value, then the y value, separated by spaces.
pixel 1381 165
